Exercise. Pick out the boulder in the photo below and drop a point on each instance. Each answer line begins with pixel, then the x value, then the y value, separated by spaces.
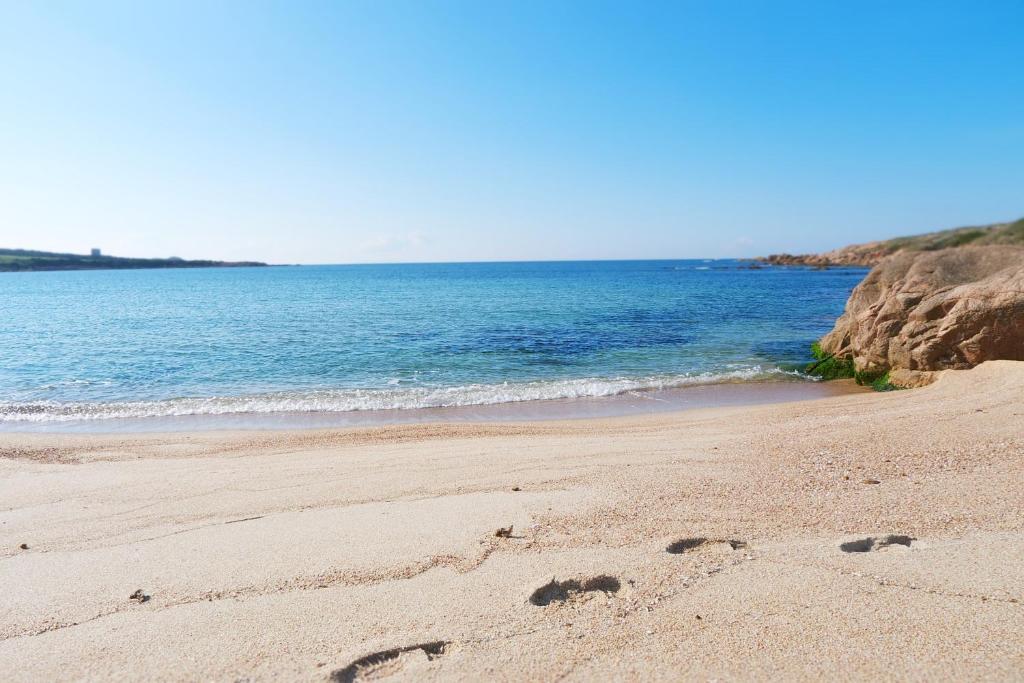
pixel 934 310
pixel 911 379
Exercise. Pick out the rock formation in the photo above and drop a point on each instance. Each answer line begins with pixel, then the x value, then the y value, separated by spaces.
pixel 867 254
pixel 872 253
pixel 934 310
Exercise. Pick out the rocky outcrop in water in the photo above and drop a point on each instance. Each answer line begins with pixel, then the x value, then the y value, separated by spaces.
pixel 934 310
pixel 856 255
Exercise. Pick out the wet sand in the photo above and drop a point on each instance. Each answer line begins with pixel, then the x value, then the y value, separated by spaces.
pixel 629 403
pixel 863 536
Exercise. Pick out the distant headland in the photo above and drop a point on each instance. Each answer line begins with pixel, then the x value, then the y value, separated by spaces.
pixel 871 253
pixel 20 260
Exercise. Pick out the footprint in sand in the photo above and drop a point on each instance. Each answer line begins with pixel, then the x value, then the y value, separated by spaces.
pixel 386 662
pixel 871 543
pixel 687 544
pixel 573 589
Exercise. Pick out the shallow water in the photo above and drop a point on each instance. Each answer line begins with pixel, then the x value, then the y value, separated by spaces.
pixel 339 339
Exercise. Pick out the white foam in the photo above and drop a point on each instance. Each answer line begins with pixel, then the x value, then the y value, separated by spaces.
pixel 346 400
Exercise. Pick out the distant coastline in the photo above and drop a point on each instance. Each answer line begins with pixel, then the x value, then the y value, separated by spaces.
pixel 870 253
pixel 26 260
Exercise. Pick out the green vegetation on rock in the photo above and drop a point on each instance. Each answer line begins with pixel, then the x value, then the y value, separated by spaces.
pixel 1000 233
pixel 827 366
pixel 868 378
pixel 883 384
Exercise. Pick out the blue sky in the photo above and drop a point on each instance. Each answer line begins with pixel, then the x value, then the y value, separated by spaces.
pixel 434 131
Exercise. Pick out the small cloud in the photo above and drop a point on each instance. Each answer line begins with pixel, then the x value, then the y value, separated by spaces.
pixel 393 242
pixel 742 242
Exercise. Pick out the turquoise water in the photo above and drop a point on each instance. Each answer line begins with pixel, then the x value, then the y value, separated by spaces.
pixel 146 343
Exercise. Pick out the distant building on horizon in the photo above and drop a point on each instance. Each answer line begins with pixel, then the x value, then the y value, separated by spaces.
pixel 95 252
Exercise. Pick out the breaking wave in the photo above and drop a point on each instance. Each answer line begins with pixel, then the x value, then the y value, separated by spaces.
pixel 406 398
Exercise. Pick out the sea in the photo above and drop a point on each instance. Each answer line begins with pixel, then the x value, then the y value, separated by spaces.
pixel 346 344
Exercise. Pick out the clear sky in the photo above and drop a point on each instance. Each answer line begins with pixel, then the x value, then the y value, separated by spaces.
pixel 430 131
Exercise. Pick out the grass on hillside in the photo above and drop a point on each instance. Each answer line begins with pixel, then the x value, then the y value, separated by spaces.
pixel 1003 233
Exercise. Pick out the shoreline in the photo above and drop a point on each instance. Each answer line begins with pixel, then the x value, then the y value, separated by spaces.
pixel 866 536
pixel 588 407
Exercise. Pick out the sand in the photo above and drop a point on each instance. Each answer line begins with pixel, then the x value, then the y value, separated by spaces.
pixel 371 554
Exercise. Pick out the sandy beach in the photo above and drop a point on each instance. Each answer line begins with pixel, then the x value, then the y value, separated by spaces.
pixel 866 536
